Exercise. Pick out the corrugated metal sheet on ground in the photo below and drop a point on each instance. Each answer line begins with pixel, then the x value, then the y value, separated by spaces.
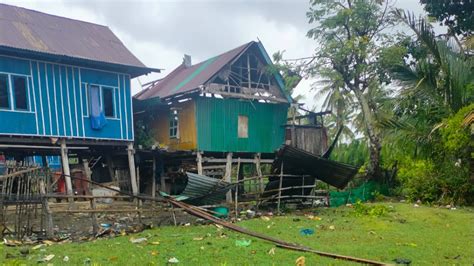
pixel 299 162
pixel 31 30
pixel 202 189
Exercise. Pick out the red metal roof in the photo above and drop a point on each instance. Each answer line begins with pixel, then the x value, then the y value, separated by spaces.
pixel 30 30
pixel 184 79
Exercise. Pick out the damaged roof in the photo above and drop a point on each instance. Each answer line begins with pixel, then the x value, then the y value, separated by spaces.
pixel 49 35
pixel 300 162
pixel 187 79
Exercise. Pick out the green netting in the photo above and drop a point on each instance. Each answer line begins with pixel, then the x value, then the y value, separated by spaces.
pixel 364 192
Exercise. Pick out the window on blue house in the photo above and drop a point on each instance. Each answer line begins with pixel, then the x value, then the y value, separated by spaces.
pixel 20 92
pixel 174 124
pixel 108 100
pixel 4 95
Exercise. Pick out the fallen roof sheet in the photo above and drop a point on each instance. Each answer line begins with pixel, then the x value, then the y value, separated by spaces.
pixel 300 162
pixel 34 31
pixel 202 189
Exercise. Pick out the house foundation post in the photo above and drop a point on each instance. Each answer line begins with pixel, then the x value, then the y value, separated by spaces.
pixel 228 174
pixel 66 169
pixel 131 166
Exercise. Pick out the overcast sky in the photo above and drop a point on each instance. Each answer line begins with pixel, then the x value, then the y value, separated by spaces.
pixel 160 32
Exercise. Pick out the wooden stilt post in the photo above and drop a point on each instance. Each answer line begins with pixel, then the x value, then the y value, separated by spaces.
pixel 131 166
pixel 279 187
pixel 162 176
pixel 199 162
pixel 228 174
pixel 153 181
pixel 236 201
pixel 66 169
pixel 88 173
pixel 110 166
pixel 259 171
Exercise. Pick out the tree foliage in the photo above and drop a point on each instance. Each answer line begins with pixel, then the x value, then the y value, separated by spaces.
pixel 351 38
pixel 458 15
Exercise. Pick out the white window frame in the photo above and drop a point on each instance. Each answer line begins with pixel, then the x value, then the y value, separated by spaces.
pixel 173 118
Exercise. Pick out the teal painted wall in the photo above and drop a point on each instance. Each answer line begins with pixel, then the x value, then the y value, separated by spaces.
pixel 58 103
pixel 217 125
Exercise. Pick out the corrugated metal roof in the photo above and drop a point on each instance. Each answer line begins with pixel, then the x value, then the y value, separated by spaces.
pixel 300 162
pixel 184 79
pixel 202 189
pixel 34 31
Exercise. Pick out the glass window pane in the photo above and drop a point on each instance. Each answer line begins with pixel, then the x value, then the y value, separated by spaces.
pixel 108 102
pixel 4 101
pixel 20 92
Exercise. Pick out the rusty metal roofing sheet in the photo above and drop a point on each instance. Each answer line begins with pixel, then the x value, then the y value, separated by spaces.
pixel 184 79
pixel 34 31
pixel 300 162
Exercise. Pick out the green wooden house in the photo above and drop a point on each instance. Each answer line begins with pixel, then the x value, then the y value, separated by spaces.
pixel 228 108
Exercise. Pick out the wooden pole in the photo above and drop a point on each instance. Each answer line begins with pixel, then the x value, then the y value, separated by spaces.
pixel 131 166
pixel 279 187
pixel 95 226
pixel 236 201
pixel 87 171
pixel 153 176
pixel 259 171
pixel 199 162
pixel 66 169
pixel 228 172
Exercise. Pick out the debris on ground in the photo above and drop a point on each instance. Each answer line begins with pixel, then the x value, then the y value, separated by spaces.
pixel 306 232
pixel 66 259
pixel 300 261
pixel 243 243
pixel 46 258
pixel 173 260
pixel 271 251
pixel 402 261
pixel 138 240
pixel 332 227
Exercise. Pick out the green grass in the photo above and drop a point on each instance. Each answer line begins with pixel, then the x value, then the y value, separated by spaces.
pixel 425 235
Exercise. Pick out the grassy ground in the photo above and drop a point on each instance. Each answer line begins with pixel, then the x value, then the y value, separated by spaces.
pixel 425 235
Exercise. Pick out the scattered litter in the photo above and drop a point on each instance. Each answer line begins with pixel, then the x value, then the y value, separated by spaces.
pixel 154 253
pixel 66 259
pixel 271 251
pixel 453 208
pixel 250 214
pixel 48 242
pixel 306 232
pixel 87 261
pixel 11 243
pixel 198 238
pixel 106 225
pixel 402 261
pixel 332 227
pixel 187 224
pixel 301 261
pixel 173 260
pixel 155 243
pixel 138 240
pixel 46 258
pixel 265 218
pixel 38 246
pixel 416 205
pixel 314 218
pixel 243 243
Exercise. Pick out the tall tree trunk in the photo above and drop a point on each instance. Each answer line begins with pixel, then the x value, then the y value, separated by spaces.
pixel 373 171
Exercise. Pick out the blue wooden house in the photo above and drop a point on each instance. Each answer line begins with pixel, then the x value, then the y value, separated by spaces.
pixel 63 79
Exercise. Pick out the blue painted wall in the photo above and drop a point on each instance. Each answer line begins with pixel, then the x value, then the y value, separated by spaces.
pixel 58 101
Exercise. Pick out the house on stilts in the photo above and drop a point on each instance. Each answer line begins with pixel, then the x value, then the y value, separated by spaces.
pixel 64 89
pixel 227 109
